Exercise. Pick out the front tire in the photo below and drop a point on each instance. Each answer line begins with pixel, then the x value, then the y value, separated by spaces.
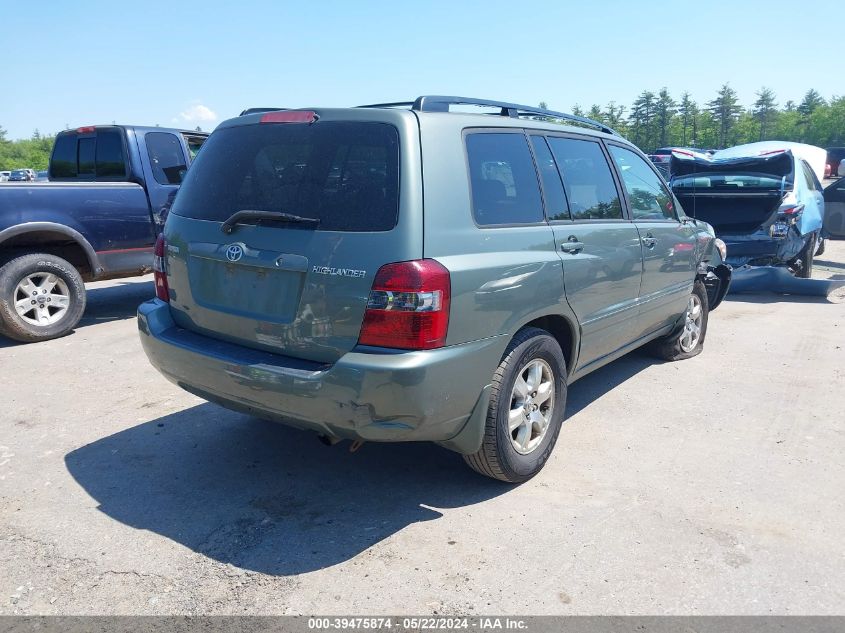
pixel 527 404
pixel 41 297
pixel 688 341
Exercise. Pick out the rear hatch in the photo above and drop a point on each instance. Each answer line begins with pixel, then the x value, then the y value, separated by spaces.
pixel 734 195
pixel 297 287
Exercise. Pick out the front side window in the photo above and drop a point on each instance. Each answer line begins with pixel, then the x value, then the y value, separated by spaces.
pixel 166 157
pixel 648 196
pixel 194 144
pixel 589 183
pixel 503 179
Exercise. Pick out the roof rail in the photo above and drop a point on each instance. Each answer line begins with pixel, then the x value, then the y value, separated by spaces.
pixel 439 103
pixel 395 104
pixel 257 110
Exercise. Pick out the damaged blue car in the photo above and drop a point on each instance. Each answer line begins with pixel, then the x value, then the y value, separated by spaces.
pixel 764 200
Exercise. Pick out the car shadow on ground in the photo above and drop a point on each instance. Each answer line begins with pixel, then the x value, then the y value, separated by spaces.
pixel 272 499
pixel 594 385
pixel 116 302
pixel 265 497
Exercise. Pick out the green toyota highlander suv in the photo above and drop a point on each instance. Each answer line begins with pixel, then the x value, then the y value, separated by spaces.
pixel 406 272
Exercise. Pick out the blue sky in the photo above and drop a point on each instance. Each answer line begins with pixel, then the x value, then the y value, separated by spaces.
pixel 187 64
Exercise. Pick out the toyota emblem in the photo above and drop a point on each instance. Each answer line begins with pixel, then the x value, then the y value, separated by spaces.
pixel 234 252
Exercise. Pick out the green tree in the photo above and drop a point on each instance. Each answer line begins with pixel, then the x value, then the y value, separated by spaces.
pixel 687 113
pixel 765 111
pixel 596 114
pixel 665 109
pixel 615 116
pixel 811 101
pixel 642 121
pixel 725 110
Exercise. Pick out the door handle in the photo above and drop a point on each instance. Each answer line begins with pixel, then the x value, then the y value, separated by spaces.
pixel 572 245
pixel 649 241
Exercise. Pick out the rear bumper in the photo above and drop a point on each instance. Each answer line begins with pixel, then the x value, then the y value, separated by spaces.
pixel 759 249
pixel 432 395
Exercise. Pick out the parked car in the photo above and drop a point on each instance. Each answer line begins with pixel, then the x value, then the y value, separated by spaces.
pixel 834 209
pixel 835 165
pixel 42 176
pixel 4 175
pixel 763 199
pixel 97 218
pixel 661 157
pixel 390 274
pixel 21 175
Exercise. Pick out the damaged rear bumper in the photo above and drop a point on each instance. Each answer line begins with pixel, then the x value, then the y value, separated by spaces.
pixel 365 395
pixel 761 249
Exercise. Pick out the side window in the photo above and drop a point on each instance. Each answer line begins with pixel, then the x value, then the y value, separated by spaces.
pixel 556 206
pixel 503 179
pixel 194 144
pixel 589 183
pixel 648 196
pixel 63 162
pixel 86 156
pixel 166 157
pixel 110 162
pixel 809 176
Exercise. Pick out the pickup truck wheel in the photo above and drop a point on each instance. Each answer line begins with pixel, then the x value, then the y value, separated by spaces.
pixel 41 297
pixel 688 340
pixel 526 409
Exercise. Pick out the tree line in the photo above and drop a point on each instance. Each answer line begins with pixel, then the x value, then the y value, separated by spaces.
pixel 32 153
pixel 656 119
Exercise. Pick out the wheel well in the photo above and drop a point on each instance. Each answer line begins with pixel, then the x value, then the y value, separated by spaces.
pixel 560 328
pixel 51 242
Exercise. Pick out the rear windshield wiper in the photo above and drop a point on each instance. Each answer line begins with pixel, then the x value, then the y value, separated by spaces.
pixel 254 214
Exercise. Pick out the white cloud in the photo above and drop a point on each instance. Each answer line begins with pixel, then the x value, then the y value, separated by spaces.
pixel 197 113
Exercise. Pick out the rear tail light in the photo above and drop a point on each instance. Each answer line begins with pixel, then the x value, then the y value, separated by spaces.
pixel 160 269
pixel 792 211
pixel 408 306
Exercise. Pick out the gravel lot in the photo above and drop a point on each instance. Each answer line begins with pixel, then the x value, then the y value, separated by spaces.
pixel 709 486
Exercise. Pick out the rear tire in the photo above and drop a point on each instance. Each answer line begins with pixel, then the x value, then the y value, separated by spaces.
pixel 688 341
pixel 41 297
pixel 523 420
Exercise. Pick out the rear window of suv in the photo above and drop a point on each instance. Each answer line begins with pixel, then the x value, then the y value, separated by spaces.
pixel 345 174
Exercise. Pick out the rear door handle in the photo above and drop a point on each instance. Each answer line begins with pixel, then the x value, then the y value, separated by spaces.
pixel 572 245
pixel 649 241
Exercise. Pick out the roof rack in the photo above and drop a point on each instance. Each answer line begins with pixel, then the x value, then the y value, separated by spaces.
pixel 439 103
